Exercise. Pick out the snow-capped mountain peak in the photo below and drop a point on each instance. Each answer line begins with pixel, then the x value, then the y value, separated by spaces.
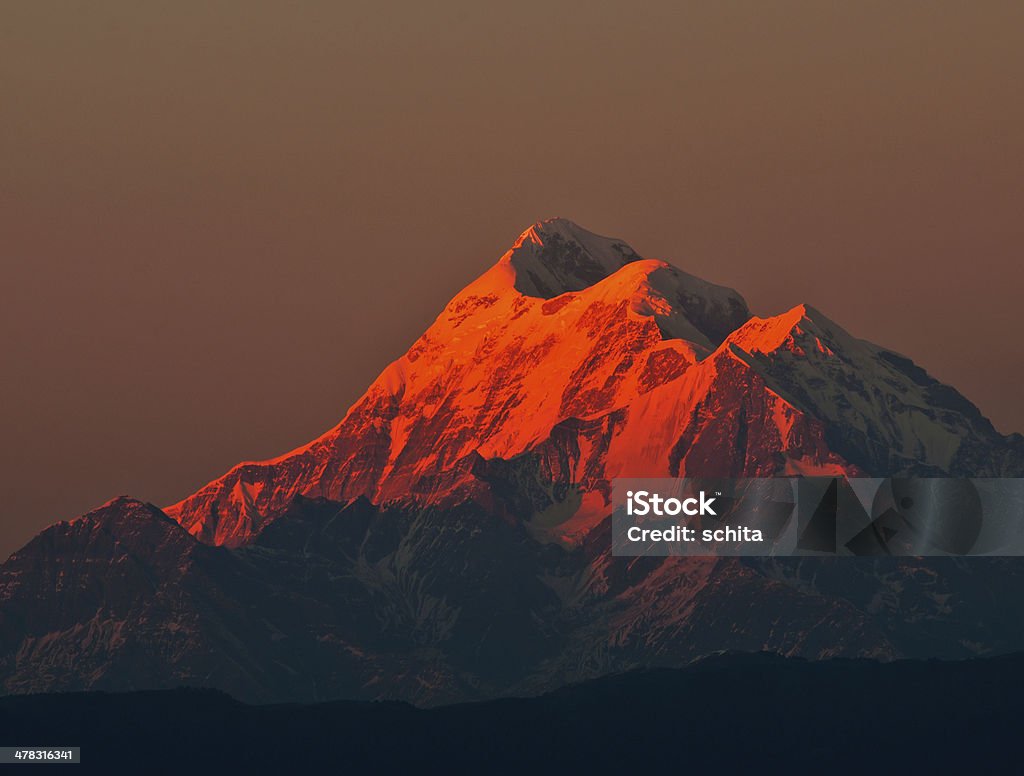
pixel 556 256
pixel 653 370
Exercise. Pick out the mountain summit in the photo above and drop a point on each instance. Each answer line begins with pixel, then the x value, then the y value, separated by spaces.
pixel 449 538
pixel 556 256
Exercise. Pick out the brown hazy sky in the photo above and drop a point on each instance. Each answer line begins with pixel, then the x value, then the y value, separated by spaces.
pixel 219 221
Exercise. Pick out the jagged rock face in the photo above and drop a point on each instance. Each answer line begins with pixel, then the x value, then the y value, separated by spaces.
pixel 124 599
pixel 575 350
pixel 77 600
pixel 448 539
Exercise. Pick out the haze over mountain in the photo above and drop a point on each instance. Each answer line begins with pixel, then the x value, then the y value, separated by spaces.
pixel 449 538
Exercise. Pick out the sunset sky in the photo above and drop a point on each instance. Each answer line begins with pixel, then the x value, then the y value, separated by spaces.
pixel 219 222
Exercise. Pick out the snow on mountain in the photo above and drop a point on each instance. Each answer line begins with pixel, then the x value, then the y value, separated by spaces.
pixel 881 411
pixel 492 376
pixel 574 339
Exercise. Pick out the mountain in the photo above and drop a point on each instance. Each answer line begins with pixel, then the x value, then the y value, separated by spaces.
pixel 576 353
pixel 449 539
